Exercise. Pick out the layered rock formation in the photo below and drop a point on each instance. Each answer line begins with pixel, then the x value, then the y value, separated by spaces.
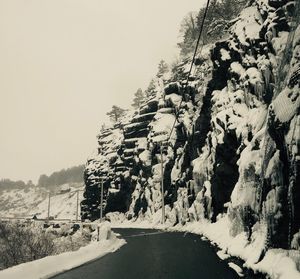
pixel 234 149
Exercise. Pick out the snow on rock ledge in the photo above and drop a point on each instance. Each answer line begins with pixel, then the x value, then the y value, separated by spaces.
pixel 234 152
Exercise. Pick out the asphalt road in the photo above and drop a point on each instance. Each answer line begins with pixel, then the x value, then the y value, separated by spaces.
pixel 151 254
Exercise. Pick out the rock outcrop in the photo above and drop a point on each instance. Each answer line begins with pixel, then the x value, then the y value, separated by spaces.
pixel 234 146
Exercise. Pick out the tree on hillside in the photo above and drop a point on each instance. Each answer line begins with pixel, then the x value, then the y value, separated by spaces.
pixel 103 127
pixel 116 113
pixel 7 184
pixel 43 180
pixel 30 183
pixel 70 175
pixel 217 22
pixel 151 89
pixel 139 96
pixel 189 32
pixel 162 68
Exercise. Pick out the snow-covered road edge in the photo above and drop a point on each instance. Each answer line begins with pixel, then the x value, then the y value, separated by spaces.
pixel 53 265
pixel 276 262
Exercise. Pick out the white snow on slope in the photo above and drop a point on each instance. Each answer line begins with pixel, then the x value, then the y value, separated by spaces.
pixel 34 201
pixel 17 202
pixel 62 206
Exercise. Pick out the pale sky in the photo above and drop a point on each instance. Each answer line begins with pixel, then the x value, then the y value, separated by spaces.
pixel 64 63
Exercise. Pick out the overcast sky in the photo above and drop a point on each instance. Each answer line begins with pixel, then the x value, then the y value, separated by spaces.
pixel 64 63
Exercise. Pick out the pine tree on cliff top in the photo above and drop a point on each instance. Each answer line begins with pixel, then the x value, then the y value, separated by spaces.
pixel 151 89
pixel 139 97
pixel 116 113
pixel 162 68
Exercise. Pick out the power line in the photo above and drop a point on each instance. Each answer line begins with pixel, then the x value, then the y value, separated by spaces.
pixel 177 113
pixel 191 67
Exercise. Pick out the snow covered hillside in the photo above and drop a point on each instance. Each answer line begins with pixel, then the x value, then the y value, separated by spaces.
pixel 34 201
pixel 232 160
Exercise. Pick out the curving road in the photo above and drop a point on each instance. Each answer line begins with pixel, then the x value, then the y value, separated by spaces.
pixel 151 254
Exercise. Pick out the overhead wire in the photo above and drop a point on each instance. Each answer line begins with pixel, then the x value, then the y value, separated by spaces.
pixel 191 67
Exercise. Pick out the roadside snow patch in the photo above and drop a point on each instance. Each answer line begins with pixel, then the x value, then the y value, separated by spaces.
pixel 222 255
pixel 237 269
pixel 53 265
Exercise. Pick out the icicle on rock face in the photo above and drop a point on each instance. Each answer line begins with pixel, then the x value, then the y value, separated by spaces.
pixel 234 146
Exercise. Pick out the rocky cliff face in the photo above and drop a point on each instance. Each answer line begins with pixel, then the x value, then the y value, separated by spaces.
pixel 234 149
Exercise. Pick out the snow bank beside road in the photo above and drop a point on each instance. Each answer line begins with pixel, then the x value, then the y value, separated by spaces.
pixel 53 265
pixel 277 263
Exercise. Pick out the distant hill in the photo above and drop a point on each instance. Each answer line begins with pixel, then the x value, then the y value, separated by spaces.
pixel 20 199
pixel 64 176
pixel 31 201
pixel 72 175
pixel 7 184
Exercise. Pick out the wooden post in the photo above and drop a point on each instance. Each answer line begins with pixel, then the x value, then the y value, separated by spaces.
pixel 77 205
pixel 162 185
pixel 101 201
pixel 49 206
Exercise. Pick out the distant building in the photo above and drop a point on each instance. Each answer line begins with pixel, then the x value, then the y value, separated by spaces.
pixel 65 188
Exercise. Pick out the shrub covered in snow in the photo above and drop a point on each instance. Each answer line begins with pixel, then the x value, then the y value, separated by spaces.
pixel 22 242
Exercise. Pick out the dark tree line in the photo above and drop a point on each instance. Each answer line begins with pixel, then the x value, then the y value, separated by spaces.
pixel 6 184
pixel 70 175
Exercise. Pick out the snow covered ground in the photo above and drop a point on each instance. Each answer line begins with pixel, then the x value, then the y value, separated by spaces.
pixel 34 201
pixel 277 263
pixel 52 265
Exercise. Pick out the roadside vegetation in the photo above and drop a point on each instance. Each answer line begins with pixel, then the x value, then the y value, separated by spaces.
pixel 22 242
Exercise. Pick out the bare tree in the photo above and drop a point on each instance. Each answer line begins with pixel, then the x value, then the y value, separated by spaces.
pixel 19 244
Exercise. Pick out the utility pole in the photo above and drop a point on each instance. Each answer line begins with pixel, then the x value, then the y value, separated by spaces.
pixel 101 200
pixel 49 195
pixel 162 184
pixel 77 201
